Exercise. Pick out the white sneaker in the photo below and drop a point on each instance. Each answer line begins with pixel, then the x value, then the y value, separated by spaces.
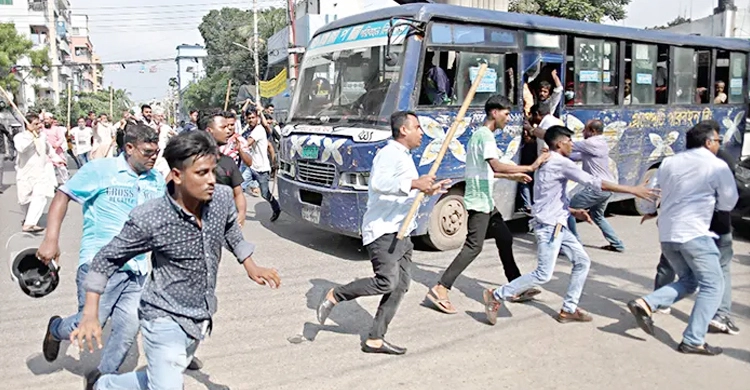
pixel 664 310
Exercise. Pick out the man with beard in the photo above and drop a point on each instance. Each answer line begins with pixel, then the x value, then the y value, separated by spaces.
pixel 35 176
pixel 108 189
pixel 147 116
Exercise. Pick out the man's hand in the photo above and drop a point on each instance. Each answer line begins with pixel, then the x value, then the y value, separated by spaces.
pixel 541 160
pixel 48 251
pixel 260 275
pixel 519 177
pixel 646 217
pixel 440 187
pixel 424 183
pixel 643 192
pixel 88 330
pixel 581 214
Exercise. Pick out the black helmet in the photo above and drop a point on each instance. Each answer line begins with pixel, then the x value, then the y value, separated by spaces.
pixel 35 278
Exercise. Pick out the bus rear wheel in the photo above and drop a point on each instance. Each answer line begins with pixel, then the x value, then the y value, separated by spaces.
pixel 447 226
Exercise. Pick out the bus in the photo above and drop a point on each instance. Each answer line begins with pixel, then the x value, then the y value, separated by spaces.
pixel 648 87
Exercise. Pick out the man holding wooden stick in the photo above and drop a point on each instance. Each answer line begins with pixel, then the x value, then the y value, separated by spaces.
pixel 394 183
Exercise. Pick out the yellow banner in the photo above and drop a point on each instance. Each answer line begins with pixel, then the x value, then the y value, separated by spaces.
pixel 274 86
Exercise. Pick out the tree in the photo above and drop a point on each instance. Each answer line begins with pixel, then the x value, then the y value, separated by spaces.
pixel 83 102
pixel 14 47
pixel 587 10
pixel 676 22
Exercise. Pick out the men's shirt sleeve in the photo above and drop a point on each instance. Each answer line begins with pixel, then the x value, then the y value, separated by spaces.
pixel 85 184
pixel 390 176
pixel 572 172
pixel 134 239
pixel 233 238
pixel 726 188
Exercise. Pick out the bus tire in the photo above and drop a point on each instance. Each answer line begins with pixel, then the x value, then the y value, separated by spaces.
pixel 639 204
pixel 447 224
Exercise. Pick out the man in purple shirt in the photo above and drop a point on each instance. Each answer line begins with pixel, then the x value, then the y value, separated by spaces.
pixel 593 152
pixel 551 212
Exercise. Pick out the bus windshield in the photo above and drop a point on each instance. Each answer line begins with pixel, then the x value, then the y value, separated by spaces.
pixel 348 85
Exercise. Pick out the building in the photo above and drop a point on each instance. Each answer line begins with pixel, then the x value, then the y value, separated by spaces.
pixel 46 23
pixel 190 69
pixel 98 72
pixel 84 68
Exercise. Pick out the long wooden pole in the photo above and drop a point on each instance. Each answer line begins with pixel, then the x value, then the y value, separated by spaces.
pixel 111 101
pixel 10 100
pixel 448 138
pixel 70 93
pixel 226 99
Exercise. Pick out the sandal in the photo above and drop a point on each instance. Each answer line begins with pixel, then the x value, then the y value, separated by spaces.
pixel 525 296
pixel 443 305
pixel 32 229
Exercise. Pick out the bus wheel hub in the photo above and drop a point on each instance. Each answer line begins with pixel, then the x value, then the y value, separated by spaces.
pixel 452 217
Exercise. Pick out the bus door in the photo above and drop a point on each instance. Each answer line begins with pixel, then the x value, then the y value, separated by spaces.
pixel 540 68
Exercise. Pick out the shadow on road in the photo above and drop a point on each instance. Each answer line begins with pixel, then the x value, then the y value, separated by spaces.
pixel 205 380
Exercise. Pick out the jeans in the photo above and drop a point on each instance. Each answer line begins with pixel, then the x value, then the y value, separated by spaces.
pixel 696 263
pixel 548 248
pixel 76 158
pixel 83 158
pixel 525 190
pixel 168 351
pixel 265 191
pixel 119 302
pixel 596 202
pixel 666 275
pixel 392 266
pixel 479 226
pixel 247 178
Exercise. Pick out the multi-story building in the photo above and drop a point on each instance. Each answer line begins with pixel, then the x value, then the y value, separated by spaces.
pixel 190 69
pixel 98 73
pixel 84 77
pixel 46 23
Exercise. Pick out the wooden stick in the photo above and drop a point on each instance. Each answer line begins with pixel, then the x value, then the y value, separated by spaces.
pixel 70 93
pixel 448 138
pixel 226 99
pixel 10 100
pixel 111 101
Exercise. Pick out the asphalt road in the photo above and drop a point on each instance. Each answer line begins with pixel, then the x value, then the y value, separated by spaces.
pixel 268 339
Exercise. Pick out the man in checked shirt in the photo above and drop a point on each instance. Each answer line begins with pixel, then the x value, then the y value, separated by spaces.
pixel 185 230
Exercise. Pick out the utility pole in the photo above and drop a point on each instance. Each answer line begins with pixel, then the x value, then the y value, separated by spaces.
pixel 292 57
pixel 255 51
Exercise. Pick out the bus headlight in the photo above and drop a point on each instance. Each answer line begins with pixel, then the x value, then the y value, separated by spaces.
pixel 287 130
pixel 355 180
pixel 742 173
pixel 286 168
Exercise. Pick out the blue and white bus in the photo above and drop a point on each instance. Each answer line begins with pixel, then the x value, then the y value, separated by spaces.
pixel 648 87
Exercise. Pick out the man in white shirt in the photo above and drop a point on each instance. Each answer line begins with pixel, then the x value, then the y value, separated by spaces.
pixel 35 175
pixel 261 164
pixel 105 139
pixel 394 183
pixel 82 140
pixel 694 183
pixel 548 120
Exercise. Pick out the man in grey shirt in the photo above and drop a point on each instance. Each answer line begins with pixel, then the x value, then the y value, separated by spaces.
pixel 593 152
pixel 551 212
pixel 185 231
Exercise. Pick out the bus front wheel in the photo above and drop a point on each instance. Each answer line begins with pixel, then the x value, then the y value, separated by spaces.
pixel 447 227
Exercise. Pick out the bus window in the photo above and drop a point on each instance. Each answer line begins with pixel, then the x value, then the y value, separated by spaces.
pixel 703 93
pixel 722 77
pixel 640 67
pixel 683 71
pixel 738 73
pixel 595 76
pixel 661 76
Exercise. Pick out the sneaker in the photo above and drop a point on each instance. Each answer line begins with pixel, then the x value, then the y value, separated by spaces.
pixel 579 316
pixel 723 324
pixel 491 306
pixel 664 310
pixel 704 349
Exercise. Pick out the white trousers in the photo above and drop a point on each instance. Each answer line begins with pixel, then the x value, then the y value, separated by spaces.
pixel 34 209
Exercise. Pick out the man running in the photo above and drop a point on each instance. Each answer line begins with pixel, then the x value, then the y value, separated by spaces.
pixel 394 183
pixel 553 236
pixel 184 230
pixel 227 172
pixel 108 190
pixel 261 163
pixel 35 176
pixel 483 166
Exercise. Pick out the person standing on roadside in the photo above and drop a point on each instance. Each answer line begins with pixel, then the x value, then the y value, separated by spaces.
pixel 394 183
pixel 694 184
pixel 184 230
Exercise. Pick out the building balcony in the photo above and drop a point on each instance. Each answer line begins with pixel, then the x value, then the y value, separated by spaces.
pixel 66 71
pixel 37 15
pixel 64 47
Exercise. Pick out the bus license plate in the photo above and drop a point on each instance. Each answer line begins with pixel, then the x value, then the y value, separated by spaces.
pixel 311 213
pixel 310 152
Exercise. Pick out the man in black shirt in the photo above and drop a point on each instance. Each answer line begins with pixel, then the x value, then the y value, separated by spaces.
pixel 227 172
pixel 721 225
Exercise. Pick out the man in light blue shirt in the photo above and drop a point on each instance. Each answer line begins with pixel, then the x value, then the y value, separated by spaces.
pixel 593 152
pixel 694 183
pixel 551 212
pixel 107 189
pixel 394 183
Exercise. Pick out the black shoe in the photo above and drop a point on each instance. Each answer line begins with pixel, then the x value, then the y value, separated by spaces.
pixel 275 215
pixel 705 349
pixel 51 345
pixel 387 348
pixel 324 308
pixel 91 379
pixel 723 324
pixel 642 317
pixel 195 364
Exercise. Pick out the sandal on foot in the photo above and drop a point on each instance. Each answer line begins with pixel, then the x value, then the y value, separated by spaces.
pixel 444 305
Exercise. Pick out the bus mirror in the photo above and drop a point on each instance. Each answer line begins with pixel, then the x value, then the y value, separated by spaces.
pixel 391 59
pixel 413 26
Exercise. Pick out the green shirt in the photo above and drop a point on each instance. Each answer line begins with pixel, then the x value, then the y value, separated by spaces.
pixel 479 174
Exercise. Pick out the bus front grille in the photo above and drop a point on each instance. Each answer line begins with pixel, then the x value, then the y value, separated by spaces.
pixel 313 172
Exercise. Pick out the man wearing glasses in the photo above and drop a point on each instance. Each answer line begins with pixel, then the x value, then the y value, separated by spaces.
pixel 107 189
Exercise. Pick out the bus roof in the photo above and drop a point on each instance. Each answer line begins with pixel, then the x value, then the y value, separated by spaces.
pixel 427 11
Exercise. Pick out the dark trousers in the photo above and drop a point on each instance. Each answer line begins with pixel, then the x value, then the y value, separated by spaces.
pixel 480 226
pixel 263 178
pixel 392 279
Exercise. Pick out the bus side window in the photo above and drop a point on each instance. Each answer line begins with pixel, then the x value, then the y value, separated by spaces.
pixel 683 70
pixel 640 68
pixel 738 77
pixel 595 76
pixel 721 79
pixel 662 75
pixel 494 80
pixel 436 84
pixel 703 92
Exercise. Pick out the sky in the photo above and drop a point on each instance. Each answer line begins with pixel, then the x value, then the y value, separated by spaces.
pixel 152 29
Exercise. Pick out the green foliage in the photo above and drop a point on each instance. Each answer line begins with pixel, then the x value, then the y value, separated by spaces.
pixel 207 93
pixel 587 10
pixel 83 102
pixel 14 47
pixel 677 21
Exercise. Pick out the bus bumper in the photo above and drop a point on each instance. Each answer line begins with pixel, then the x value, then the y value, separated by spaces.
pixel 334 210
